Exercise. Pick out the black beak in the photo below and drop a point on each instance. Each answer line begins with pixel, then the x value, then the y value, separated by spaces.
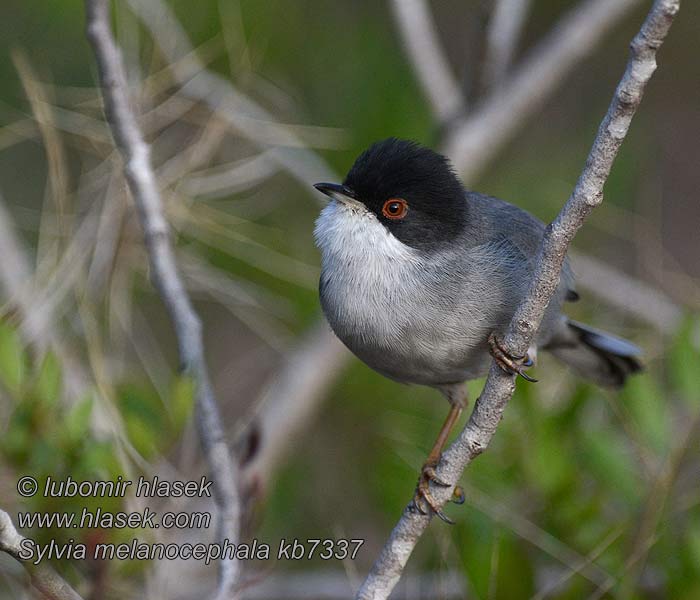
pixel 334 189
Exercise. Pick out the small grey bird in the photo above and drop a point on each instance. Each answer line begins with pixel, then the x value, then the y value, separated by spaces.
pixel 420 278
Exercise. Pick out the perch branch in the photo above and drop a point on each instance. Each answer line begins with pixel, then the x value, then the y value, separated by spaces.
pixel 188 328
pixel 42 577
pixel 420 40
pixel 499 387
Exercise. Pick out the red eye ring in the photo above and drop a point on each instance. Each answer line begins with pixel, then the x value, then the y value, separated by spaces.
pixel 395 208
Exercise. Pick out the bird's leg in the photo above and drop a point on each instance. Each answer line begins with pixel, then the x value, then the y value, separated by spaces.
pixel 510 364
pixel 428 474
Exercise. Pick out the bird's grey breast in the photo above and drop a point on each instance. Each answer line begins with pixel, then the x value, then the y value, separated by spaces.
pixel 412 317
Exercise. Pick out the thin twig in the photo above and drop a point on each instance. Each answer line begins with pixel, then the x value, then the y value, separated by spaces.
pixel 42 577
pixel 499 387
pixel 420 39
pixel 475 139
pixel 188 328
pixel 505 27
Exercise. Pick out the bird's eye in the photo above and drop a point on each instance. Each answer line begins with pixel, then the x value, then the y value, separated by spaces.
pixel 395 208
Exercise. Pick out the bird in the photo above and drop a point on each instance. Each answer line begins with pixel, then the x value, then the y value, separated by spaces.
pixel 420 278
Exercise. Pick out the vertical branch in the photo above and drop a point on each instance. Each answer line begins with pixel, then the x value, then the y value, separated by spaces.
pixel 499 387
pixel 188 328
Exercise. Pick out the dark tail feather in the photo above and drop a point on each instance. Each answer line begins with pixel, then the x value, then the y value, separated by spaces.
pixel 596 355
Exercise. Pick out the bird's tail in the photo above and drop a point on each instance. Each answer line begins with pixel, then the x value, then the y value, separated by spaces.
pixel 596 355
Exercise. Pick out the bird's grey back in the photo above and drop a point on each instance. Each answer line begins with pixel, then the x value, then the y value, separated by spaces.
pixel 491 218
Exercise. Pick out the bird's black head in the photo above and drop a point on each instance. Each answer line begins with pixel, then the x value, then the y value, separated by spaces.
pixel 412 190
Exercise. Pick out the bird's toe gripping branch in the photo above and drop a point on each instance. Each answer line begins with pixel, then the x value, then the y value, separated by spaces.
pixel 423 500
pixel 513 365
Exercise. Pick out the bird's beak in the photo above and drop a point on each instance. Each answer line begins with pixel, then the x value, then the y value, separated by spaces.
pixel 337 192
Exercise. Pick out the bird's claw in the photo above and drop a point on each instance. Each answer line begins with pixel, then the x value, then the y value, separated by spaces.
pixel 422 495
pixel 513 365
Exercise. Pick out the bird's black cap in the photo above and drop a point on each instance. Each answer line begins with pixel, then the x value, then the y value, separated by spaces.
pixel 436 208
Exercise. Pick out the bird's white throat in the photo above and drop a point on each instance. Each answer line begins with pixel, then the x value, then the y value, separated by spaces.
pixel 353 235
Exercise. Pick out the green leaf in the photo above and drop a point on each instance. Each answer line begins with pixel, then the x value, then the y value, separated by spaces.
pixel 515 577
pixel 611 463
pixel 49 379
pixel 147 424
pixel 142 435
pixel 12 358
pixel 77 421
pixel 476 536
pixel 182 401
pixel 646 404
pixel 548 463
pixel 98 457
pixel 692 536
pixel 684 358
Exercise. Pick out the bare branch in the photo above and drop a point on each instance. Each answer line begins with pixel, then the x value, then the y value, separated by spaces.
pixel 475 139
pixel 420 40
pixel 143 186
pixel 499 387
pixel 502 39
pixel 42 577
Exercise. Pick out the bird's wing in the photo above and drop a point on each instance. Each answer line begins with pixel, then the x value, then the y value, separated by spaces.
pixel 522 230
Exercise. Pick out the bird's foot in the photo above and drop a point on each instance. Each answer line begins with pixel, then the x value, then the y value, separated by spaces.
pixel 514 365
pixel 423 500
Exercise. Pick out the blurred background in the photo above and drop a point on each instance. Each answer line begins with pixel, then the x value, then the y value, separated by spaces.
pixel 584 493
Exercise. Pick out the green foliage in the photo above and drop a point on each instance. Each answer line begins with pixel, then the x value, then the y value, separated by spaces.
pixel 77 422
pixel 181 402
pixel 12 359
pixel 684 363
pixel 150 425
pixel 47 436
pixel 48 379
pixel 50 436
pixel 644 400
